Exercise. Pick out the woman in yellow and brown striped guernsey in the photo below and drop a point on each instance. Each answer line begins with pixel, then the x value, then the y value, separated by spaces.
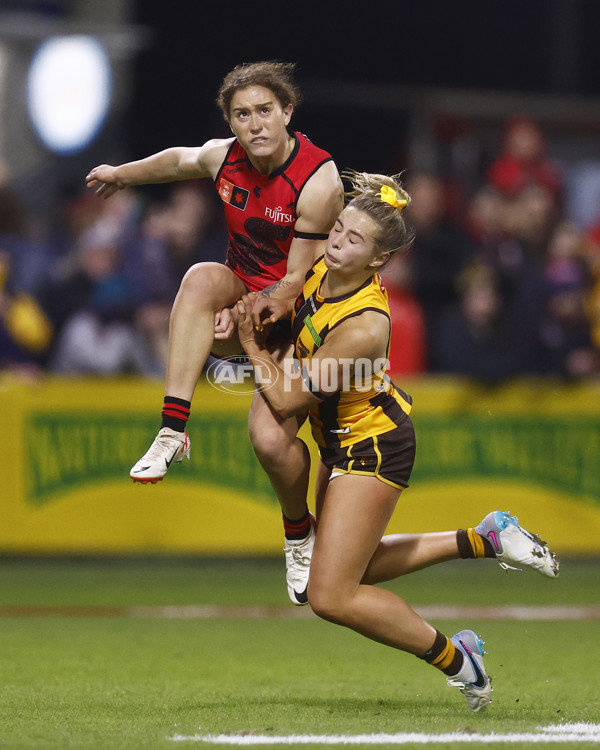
pixel 360 420
pixel 362 427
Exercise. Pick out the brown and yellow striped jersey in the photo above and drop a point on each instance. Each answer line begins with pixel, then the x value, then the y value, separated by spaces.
pixel 369 404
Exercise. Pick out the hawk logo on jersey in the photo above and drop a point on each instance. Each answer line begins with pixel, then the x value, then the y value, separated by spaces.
pixel 302 350
pixel 232 194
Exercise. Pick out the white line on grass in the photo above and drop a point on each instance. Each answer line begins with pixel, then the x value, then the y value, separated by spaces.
pixel 211 612
pixel 557 733
pixel 201 612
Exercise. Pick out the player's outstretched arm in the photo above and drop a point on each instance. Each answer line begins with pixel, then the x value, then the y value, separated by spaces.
pixel 170 165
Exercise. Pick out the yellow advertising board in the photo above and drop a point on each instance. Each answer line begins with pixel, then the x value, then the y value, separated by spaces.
pixel 66 448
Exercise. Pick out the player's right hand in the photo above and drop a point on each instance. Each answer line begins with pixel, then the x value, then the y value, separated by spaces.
pixel 268 310
pixel 106 177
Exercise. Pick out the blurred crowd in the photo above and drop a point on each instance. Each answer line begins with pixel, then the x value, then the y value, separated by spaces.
pixel 91 292
pixel 502 283
pixel 497 285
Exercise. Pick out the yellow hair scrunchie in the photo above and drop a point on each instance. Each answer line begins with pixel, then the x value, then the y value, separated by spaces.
pixel 389 195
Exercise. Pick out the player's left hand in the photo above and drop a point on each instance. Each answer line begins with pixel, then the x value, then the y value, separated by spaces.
pixel 225 323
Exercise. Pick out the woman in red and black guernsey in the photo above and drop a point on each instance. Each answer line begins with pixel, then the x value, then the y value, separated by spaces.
pixel 260 210
pixel 281 196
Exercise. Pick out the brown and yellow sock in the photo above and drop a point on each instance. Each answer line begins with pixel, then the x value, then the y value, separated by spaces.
pixel 443 655
pixel 471 544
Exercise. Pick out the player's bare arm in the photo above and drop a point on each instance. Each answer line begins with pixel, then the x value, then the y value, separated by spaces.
pixel 319 205
pixel 171 165
pixel 363 337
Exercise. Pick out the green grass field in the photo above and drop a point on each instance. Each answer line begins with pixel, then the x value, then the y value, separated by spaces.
pixel 121 677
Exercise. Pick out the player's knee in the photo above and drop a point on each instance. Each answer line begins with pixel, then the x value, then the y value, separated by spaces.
pixel 268 443
pixel 200 286
pixel 326 602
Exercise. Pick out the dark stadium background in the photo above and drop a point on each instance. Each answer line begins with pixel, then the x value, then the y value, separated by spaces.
pixel 544 46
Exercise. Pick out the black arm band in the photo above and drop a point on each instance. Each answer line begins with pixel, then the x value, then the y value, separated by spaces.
pixel 310 235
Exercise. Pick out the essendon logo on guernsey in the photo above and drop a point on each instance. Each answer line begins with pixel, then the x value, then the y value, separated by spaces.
pixel 235 196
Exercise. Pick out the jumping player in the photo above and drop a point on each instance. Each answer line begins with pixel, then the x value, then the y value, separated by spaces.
pixel 361 422
pixel 280 195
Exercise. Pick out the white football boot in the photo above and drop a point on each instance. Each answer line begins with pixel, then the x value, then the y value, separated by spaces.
pixel 298 554
pixel 472 679
pixel 168 446
pixel 515 546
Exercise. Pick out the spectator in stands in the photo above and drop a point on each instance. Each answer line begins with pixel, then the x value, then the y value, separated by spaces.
pixel 92 310
pixel 493 243
pixel 565 326
pixel 439 252
pixel 74 216
pixel 523 160
pixel 30 257
pixel 532 217
pixel 476 340
pixel 25 331
pixel 173 235
pixel 508 237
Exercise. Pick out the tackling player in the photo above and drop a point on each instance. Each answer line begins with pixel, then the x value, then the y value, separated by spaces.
pixel 360 420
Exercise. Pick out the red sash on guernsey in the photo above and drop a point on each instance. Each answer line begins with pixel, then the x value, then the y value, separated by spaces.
pixel 260 210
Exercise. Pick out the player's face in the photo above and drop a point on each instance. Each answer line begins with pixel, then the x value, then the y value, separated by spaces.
pixel 259 122
pixel 352 244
